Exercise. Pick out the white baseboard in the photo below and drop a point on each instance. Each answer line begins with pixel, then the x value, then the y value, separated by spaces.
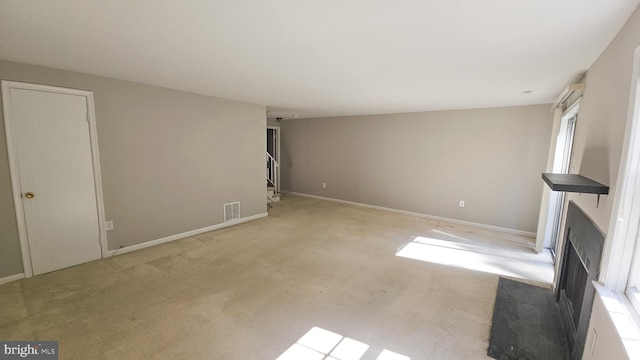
pixel 11 278
pixel 183 235
pixel 432 217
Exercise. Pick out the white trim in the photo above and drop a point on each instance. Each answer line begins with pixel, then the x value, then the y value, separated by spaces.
pixel 10 278
pixel 183 235
pixel 277 157
pixel 97 174
pixel 15 184
pixel 545 203
pixel 404 212
pixel 572 110
pixel 13 166
pixel 623 318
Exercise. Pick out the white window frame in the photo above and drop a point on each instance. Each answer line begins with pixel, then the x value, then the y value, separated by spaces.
pixel 621 257
pixel 632 290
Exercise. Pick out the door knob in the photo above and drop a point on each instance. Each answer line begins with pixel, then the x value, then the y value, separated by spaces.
pixel 29 195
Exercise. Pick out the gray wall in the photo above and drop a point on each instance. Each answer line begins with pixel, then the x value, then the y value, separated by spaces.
pixel 169 159
pixel 426 162
pixel 602 119
pixel 597 152
pixel 271 122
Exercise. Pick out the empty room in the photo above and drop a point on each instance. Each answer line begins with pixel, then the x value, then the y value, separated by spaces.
pixel 339 180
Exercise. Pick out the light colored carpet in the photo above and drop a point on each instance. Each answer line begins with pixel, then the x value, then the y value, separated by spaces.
pixel 253 291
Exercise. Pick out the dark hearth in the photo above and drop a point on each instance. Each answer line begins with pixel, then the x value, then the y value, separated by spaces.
pixel 526 324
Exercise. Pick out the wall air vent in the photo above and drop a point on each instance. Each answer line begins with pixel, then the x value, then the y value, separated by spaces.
pixel 231 211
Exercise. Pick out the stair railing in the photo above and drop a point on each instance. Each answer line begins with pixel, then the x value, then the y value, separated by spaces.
pixel 272 172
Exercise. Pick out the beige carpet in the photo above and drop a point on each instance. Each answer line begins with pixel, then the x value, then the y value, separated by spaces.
pixel 254 290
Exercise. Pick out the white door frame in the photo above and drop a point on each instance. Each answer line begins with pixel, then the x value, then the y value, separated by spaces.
pixel 561 165
pixel 13 164
pixel 545 218
pixel 277 157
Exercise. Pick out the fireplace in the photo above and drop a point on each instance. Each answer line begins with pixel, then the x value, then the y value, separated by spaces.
pixel 580 265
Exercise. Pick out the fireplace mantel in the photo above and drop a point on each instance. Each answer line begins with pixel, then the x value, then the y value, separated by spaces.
pixel 575 183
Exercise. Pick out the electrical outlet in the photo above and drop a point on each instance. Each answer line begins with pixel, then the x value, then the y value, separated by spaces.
pixel 461 203
pixel 324 185
pixel 108 225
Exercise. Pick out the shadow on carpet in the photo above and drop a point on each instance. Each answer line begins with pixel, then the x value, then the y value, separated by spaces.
pixel 526 324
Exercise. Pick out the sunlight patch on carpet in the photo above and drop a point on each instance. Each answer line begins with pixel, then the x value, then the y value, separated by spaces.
pixel 504 262
pixel 323 344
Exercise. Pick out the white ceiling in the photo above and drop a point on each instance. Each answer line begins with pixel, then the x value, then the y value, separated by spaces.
pixel 324 57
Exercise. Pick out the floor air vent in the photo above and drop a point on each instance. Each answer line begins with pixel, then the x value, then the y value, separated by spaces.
pixel 231 211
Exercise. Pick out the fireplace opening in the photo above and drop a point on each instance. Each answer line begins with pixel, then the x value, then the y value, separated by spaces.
pixel 573 284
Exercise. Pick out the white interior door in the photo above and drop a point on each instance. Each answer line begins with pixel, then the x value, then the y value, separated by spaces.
pixel 52 154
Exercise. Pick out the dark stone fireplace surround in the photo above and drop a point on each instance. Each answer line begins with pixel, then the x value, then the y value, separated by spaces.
pixel 580 265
